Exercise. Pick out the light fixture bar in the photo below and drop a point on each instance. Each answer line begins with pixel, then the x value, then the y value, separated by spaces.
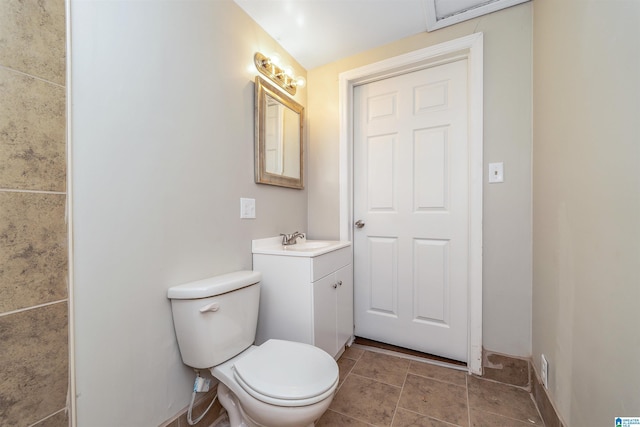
pixel 275 73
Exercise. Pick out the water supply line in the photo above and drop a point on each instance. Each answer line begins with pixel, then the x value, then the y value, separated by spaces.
pixel 199 385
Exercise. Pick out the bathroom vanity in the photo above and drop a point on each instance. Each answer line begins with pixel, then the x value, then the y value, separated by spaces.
pixel 306 292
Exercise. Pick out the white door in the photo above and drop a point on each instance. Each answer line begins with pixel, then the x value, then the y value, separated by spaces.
pixel 411 191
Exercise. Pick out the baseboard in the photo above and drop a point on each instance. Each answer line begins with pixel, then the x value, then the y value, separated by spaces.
pixel 545 406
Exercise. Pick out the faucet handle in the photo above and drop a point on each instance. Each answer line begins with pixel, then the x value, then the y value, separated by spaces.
pixel 290 239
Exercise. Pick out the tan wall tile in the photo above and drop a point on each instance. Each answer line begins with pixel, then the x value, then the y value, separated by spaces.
pixel 61 419
pixel 34 359
pixel 33 249
pixel 32 133
pixel 32 38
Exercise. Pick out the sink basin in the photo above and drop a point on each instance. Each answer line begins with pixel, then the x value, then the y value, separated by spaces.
pixel 305 248
pixel 311 244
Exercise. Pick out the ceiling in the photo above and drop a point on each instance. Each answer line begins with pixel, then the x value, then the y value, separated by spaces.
pixel 317 32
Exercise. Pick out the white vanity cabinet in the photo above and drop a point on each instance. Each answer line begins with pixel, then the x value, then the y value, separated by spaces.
pixel 333 310
pixel 306 298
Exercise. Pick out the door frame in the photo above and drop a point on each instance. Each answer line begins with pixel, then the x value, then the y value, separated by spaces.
pixel 471 48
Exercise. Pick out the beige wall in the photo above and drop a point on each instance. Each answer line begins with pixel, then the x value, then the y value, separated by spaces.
pixel 162 148
pixel 586 199
pixel 33 237
pixel 507 138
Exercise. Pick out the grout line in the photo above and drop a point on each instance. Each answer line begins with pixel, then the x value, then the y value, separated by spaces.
pixel 20 310
pixel 350 417
pixel 32 76
pixel 431 418
pixel 47 417
pixel 410 357
pixel 491 380
pixel 12 190
pixel 521 421
pixel 535 405
pixel 395 411
pixel 377 381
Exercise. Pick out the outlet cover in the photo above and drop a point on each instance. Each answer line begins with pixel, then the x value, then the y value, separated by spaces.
pixel 544 374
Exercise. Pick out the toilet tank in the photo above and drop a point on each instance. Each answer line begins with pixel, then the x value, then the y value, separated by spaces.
pixel 215 319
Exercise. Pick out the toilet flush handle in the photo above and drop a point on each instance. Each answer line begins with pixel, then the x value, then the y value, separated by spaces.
pixel 214 306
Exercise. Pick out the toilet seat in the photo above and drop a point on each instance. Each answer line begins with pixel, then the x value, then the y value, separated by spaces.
pixel 286 373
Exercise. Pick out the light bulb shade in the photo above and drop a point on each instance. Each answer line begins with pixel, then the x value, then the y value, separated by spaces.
pixel 300 81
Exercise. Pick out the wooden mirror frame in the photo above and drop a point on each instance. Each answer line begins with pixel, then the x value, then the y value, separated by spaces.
pixel 262 90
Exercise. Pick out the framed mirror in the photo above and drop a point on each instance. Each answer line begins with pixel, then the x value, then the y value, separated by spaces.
pixel 278 137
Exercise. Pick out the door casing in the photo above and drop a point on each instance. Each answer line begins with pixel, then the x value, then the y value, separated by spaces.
pixel 470 47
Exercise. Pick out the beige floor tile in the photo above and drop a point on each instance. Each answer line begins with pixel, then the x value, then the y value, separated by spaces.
pixel 501 399
pixel 506 369
pixel 429 396
pixel 352 353
pixel 381 367
pixel 406 418
pixel 448 375
pixel 334 419
pixel 485 419
pixel 366 400
pixel 437 399
pixel 344 366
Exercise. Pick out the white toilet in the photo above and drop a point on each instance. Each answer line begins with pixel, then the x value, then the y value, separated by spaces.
pixel 277 384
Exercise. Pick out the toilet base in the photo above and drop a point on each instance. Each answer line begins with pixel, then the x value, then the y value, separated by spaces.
pixel 238 417
pixel 222 420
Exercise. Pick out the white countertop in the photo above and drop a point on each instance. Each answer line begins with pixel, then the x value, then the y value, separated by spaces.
pixel 304 247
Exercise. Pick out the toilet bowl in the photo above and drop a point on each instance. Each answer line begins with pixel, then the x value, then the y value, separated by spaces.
pixel 277 384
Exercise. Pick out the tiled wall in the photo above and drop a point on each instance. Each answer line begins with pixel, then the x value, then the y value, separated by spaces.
pixel 34 356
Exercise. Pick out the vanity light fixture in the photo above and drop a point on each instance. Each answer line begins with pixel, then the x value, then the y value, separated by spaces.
pixel 279 74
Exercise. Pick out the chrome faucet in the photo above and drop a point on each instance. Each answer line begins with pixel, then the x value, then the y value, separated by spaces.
pixel 291 239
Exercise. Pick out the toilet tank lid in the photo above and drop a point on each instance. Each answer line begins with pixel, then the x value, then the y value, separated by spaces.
pixel 213 286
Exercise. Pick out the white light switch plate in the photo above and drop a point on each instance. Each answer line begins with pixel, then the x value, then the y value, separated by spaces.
pixel 247 208
pixel 496 172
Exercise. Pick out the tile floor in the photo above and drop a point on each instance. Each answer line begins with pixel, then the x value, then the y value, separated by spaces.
pixel 384 390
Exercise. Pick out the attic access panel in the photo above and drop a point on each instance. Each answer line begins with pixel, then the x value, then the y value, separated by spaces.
pixel 442 13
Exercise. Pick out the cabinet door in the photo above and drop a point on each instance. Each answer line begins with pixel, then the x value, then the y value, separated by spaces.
pixel 324 314
pixel 344 278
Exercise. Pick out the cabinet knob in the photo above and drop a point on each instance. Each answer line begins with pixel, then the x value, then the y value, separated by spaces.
pixel 335 285
pixel 339 282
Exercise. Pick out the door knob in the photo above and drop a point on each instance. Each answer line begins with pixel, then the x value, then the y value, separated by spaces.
pixel 359 223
